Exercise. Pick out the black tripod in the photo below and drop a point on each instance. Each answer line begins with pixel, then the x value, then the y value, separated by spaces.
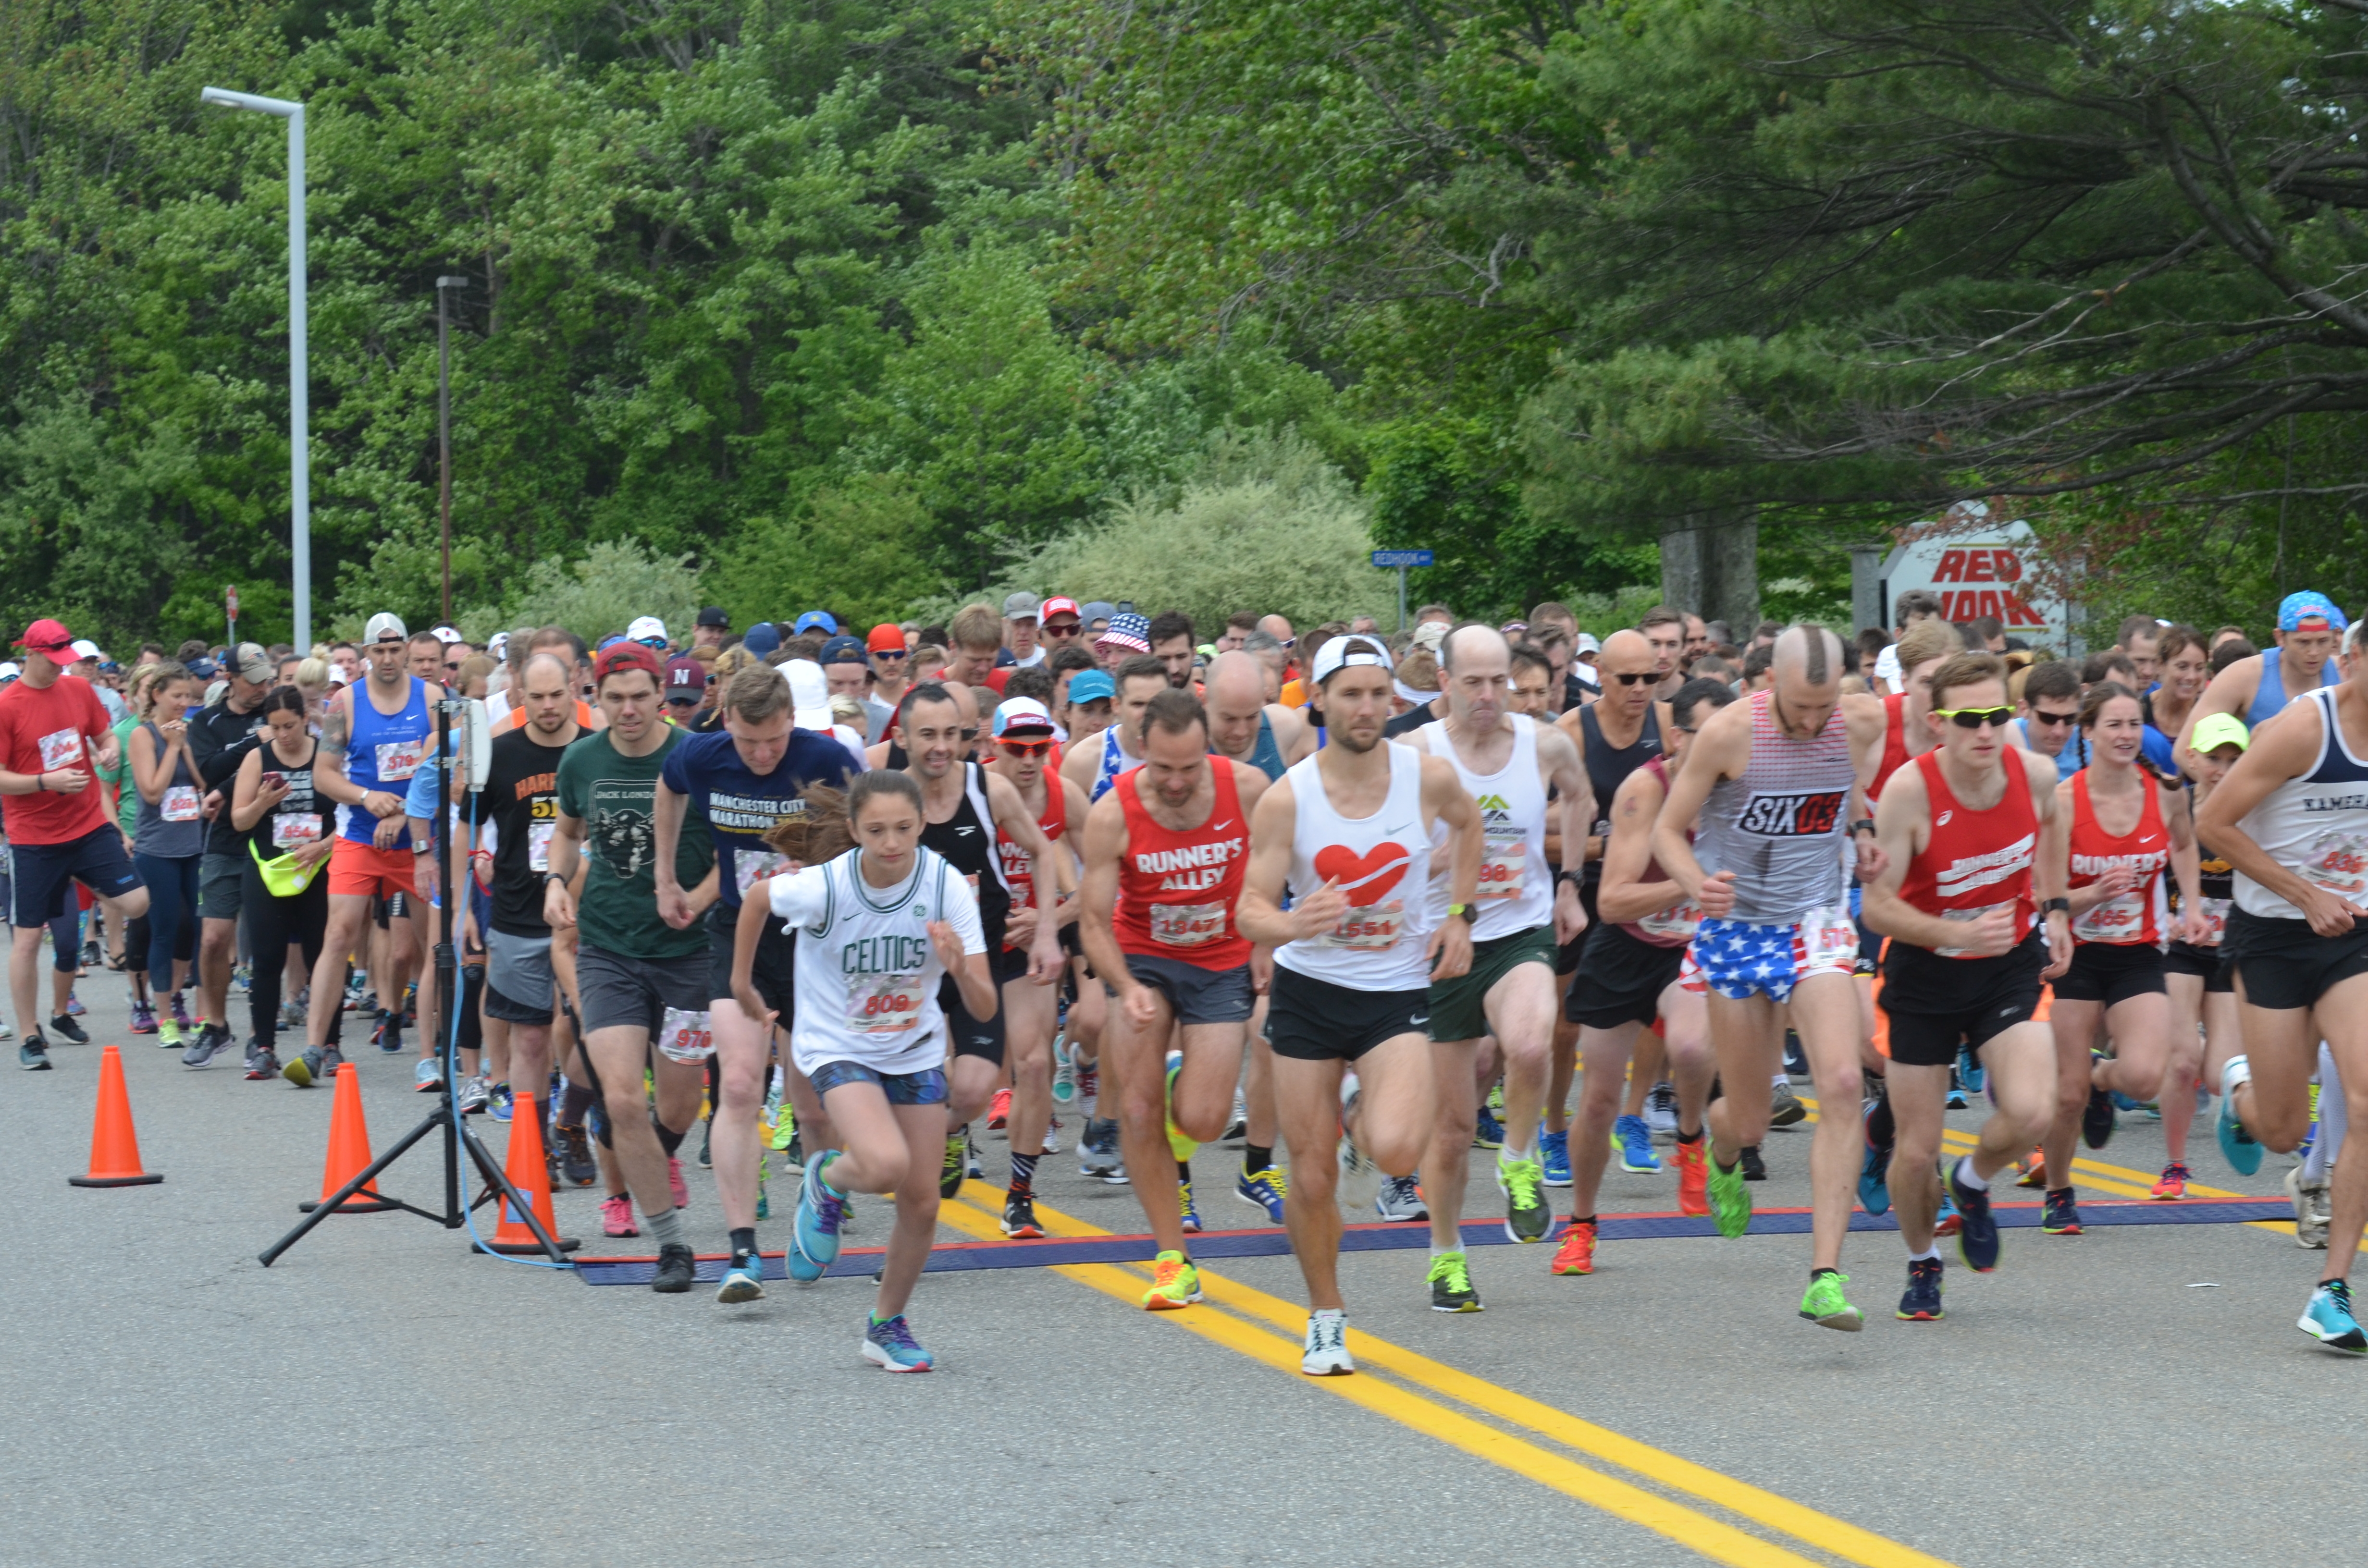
pixel 447 1114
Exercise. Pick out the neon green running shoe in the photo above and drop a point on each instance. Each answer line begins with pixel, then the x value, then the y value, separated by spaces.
pixel 1730 1200
pixel 785 1128
pixel 1178 1145
pixel 1526 1217
pixel 1451 1285
pixel 1825 1306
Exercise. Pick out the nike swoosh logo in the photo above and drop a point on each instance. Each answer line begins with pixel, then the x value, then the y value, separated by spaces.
pixel 1418 1022
pixel 1221 826
pixel 1402 827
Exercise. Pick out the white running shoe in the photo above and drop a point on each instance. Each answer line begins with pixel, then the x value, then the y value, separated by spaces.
pixel 1326 1351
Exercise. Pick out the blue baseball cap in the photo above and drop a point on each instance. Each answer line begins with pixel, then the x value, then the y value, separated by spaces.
pixel 1092 686
pixel 816 621
pixel 762 638
pixel 2295 608
pixel 843 650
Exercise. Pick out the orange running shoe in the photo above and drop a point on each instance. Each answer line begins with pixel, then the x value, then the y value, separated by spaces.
pixel 2034 1170
pixel 998 1110
pixel 2173 1185
pixel 1577 1253
pixel 1693 1175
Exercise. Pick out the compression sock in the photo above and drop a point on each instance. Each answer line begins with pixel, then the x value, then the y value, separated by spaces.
pixel 743 1240
pixel 665 1226
pixel 668 1138
pixel 575 1103
pixel 1023 1173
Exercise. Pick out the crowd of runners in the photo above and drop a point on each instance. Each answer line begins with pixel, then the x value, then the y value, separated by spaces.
pixel 835 903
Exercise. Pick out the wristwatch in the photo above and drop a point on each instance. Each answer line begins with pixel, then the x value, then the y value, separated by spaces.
pixel 1863 824
pixel 1464 909
pixel 2056 906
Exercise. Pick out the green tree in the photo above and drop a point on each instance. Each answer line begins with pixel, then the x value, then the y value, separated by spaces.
pixel 855 549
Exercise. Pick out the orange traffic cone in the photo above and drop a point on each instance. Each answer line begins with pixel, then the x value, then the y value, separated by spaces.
pixel 114 1146
pixel 530 1174
pixel 349 1149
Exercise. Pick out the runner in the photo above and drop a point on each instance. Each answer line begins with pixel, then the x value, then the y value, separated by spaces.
pixel 2292 816
pixel 1629 976
pixel 2256 689
pixel 1164 858
pixel 52 732
pixel 1350 832
pixel 2125 827
pixel 738 785
pixel 1023 743
pixel 890 662
pixel 1509 766
pixel 1961 829
pixel 1772 782
pixel 965 807
pixel 221 737
pixel 286 899
pixel 1094 769
pixel 883 923
pixel 375 736
pixel 639 979
pixel 170 839
pixel 2205 1026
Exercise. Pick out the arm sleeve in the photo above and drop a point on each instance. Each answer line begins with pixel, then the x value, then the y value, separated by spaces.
pixel 798 899
pixel 419 800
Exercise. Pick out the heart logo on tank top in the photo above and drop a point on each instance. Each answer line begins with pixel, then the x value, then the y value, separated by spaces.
pixel 1364 878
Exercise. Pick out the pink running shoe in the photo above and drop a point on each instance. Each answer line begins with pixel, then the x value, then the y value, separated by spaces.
pixel 617 1216
pixel 673 1181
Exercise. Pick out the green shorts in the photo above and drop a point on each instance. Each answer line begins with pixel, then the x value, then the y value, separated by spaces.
pixel 1456 1010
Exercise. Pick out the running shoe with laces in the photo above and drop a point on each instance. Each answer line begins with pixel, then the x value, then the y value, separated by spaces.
pixel 890 1345
pixel 955 1167
pixel 2097 1116
pixel 473 1093
pixel 498 1102
pixel 91 956
pixel 2033 1172
pixel 1661 1109
pixel 1947 1222
pixel 1875 1166
pixel 1052 1135
pixel 244 976
pixel 1784 1107
pixel 1693 1175
pixel 1730 1200
pixel 2312 1201
pixel 1635 1140
pixel 1922 1301
pixel 1400 1198
pixel 427 1076
pixel 617 1216
pixel 1576 1253
pixel 1527 1217
pixel 1978 1231
pixel 1361 1179
pixel 75 1009
pixel 1065 1073
pixel 387 1033
pixel 33 1056
pixel 210 1041
pixel 1554 1156
pixel 676 1186
pixel 1324 1353
pixel 1238 1124
pixel 143 1018
pixel 1263 1191
pixel 2171 1186
pixel 822 1214
pixel 2238 1146
pixel 1186 1214
pixel 1754 1168
pixel 1969 1070
pixel 678 1270
pixel 1825 1306
pixel 2060 1216
pixel 1956 1100
pixel 743 1279
pixel 262 1062
pixel 2329 1318
pixel 181 1014
pixel 573 1148
pixel 1487 1132
pixel 1451 1285
pixel 63 1026
pixel 1020 1217
pixel 304 1071
pixel 1175 1283
pixel 1097 1154
pixel 998 1111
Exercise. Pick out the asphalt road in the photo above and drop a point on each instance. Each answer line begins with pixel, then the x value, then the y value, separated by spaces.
pixel 2132 1396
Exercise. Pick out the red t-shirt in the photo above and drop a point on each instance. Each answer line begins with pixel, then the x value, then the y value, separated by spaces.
pixel 43 730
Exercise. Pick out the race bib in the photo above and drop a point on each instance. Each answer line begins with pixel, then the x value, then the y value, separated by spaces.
pixel 1672 926
pixel 63 749
pixel 1830 939
pixel 179 804
pixel 887 1006
pixel 686 1036
pixel 296 828
pixel 2115 920
pixel 2334 861
pixel 1187 925
pixel 537 844
pixel 1965 914
pixel 1508 857
pixel 2215 921
pixel 1368 926
pixel 399 759
pixel 750 867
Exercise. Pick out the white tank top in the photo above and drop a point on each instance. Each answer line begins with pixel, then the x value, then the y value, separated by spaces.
pixel 1516 887
pixel 867 973
pixel 1381 862
pixel 2316 824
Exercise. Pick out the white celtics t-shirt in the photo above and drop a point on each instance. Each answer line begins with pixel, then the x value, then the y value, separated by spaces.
pixel 867 973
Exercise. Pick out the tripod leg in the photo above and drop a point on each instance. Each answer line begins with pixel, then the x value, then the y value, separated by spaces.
pixel 367 1175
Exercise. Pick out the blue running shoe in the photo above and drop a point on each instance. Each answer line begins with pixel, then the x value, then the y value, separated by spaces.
pixel 1957 1100
pixel 1875 1171
pixel 1554 1150
pixel 1977 1235
pixel 813 1243
pixel 1969 1070
pixel 2329 1318
pixel 2238 1147
pixel 1487 1132
pixel 1635 1140
pixel 1265 1190
pixel 743 1279
pixel 891 1347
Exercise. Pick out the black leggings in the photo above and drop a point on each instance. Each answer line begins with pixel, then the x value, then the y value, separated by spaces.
pixel 272 923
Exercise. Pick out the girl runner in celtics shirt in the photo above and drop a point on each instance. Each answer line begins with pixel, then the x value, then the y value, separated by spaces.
pixel 881 921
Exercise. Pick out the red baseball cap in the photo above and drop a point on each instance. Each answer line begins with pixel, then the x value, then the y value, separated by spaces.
pixel 620 656
pixel 685 677
pixel 47 637
pixel 1059 605
pixel 886 638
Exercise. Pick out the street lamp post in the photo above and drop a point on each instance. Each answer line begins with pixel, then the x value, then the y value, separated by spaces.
pixel 299 461
pixel 444 429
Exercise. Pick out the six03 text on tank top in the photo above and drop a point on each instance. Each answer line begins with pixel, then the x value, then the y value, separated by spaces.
pixel 966 840
pixel 1975 861
pixel 1381 862
pixel 1607 769
pixel 2317 823
pixel 1179 888
pixel 2269 696
pixel 1782 827
pixel 1517 888
pixel 1673 927
pixel 383 753
pixel 2139 917
pixel 1012 860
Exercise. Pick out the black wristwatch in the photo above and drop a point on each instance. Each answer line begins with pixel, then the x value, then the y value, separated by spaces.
pixel 1863 824
pixel 2056 906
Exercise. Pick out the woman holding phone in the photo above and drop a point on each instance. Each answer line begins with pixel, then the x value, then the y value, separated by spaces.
pixel 273 802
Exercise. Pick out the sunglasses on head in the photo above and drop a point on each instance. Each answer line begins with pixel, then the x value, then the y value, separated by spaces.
pixel 1025 748
pixel 1974 717
pixel 1635 680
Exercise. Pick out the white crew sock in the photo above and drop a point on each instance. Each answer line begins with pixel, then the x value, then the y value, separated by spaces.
pixel 1965 1174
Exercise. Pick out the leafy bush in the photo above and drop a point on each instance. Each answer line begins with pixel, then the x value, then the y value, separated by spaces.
pixel 855 550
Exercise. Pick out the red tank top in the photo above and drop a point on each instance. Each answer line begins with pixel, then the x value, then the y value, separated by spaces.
pixel 1975 861
pixel 1894 743
pixel 2137 916
pixel 1176 890
pixel 1054 821
pixel 1674 926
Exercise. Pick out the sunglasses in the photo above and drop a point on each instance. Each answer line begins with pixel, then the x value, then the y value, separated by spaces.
pixel 896 654
pixel 1025 748
pixel 1637 679
pixel 1974 717
pixel 2042 716
pixel 684 702
pixel 1070 629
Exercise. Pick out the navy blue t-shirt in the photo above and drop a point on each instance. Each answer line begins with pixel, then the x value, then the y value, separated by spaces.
pixel 741 807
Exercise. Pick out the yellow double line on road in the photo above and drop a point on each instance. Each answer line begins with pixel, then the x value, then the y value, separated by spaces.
pixel 1395 1382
